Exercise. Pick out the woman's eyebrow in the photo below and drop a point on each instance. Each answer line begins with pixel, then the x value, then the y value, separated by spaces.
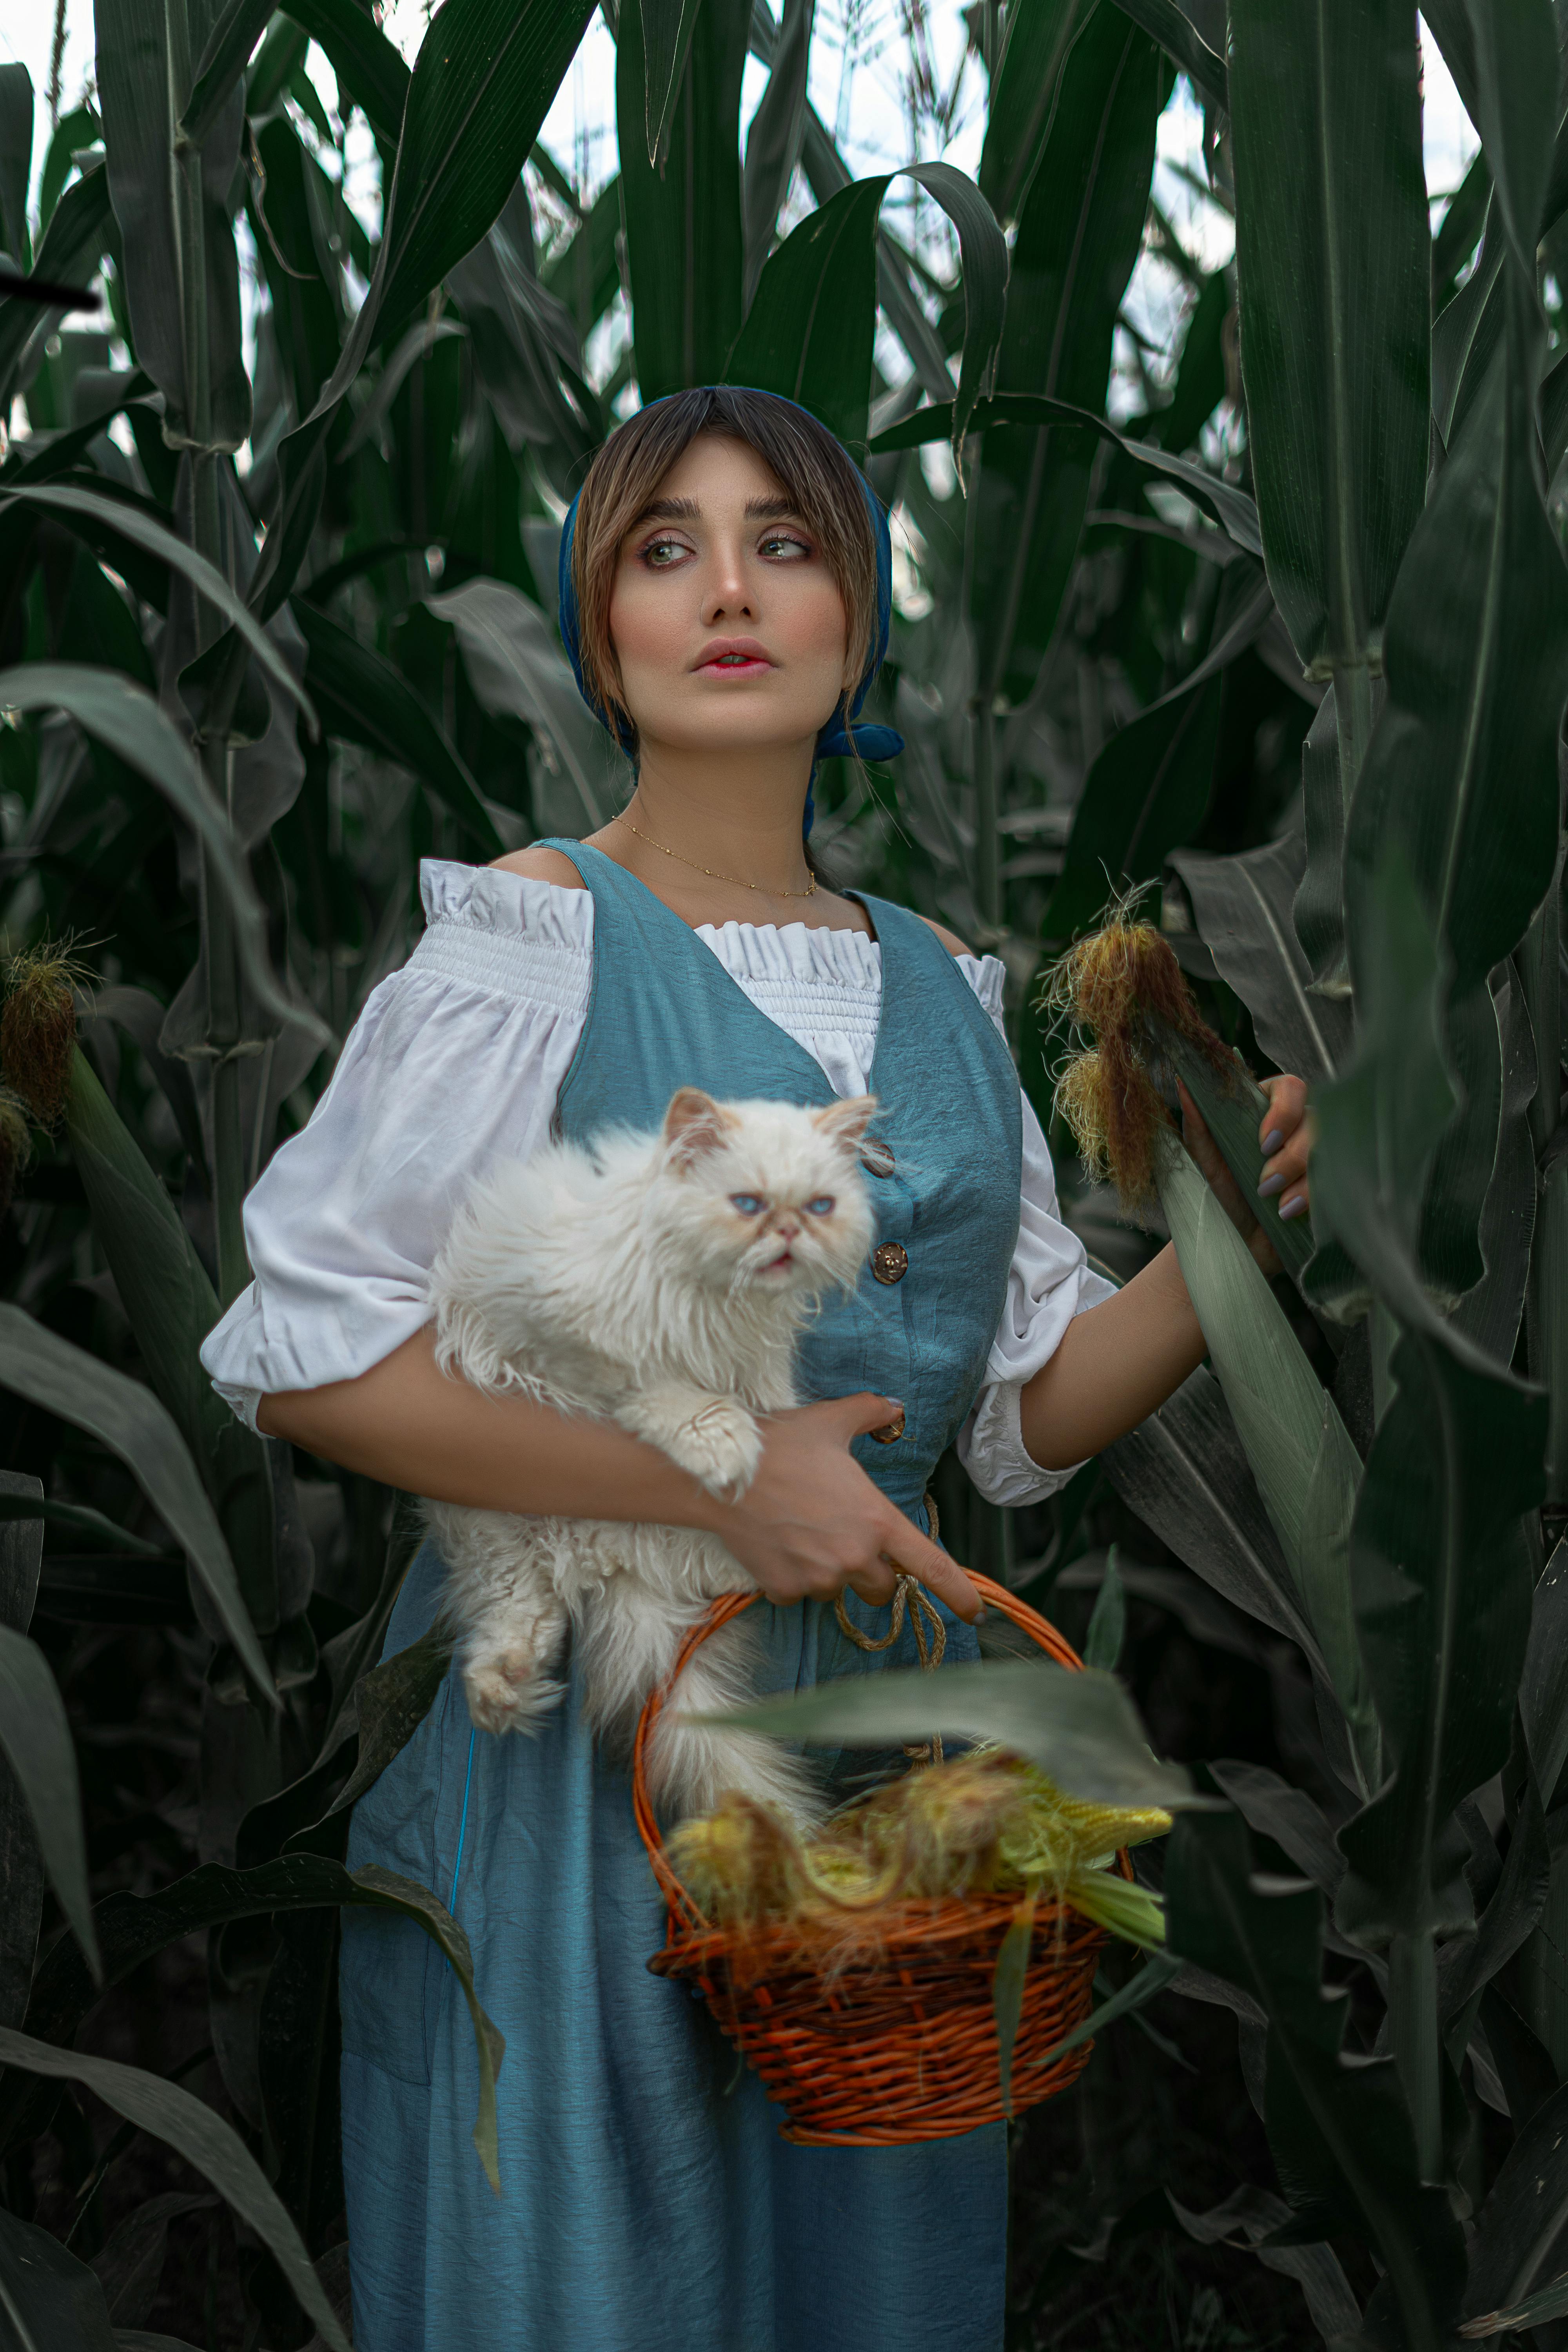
pixel 770 510
pixel 669 511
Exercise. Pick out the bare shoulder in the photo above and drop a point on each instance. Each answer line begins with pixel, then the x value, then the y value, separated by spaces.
pixel 542 866
pixel 950 940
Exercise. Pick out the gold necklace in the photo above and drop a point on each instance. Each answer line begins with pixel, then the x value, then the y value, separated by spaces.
pixel 809 892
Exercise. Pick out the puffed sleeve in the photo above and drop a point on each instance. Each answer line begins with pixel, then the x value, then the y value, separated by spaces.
pixel 1048 1283
pixel 455 1064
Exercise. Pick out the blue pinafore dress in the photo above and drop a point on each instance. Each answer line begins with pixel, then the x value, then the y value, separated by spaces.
pixel 649 2203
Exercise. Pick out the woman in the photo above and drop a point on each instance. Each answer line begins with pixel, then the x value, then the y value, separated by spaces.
pixel 725 600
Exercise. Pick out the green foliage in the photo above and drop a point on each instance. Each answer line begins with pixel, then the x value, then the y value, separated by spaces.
pixel 1113 617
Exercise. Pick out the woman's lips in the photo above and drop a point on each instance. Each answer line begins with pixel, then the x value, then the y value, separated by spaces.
pixel 734 665
pixel 744 657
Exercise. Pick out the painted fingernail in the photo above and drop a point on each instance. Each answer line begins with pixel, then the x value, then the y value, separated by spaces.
pixel 1295 1207
pixel 1272 1141
pixel 896 1403
pixel 1274 1183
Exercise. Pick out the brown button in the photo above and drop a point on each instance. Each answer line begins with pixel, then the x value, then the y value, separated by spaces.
pixel 876 1156
pixel 889 1261
pixel 891 1431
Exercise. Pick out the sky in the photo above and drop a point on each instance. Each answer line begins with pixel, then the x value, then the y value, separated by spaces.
pixel 860 58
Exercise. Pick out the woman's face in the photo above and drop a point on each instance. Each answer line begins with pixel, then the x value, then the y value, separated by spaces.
pixel 727 623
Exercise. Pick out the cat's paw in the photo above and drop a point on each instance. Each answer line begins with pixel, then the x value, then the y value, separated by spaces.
pixel 506 1691
pixel 721 1446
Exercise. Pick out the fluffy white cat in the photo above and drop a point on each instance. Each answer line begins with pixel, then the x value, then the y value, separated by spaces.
pixel 657 1281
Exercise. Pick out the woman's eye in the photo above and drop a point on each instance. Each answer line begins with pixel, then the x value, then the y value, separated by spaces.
pixel 821 1207
pixel 748 1204
pixel 780 545
pixel 660 554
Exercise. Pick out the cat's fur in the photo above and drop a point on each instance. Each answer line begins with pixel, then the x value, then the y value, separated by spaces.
pixel 625 1284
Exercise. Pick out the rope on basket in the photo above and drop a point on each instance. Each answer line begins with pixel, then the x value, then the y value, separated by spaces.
pixel 910 1594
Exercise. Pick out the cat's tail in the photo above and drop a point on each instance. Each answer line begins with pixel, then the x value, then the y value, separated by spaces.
pixel 691 1765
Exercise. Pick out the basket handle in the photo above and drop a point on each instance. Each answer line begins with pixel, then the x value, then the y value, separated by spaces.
pixel 728 1605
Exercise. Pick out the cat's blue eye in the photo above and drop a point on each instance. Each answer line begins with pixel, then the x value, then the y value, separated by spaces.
pixel 821 1207
pixel 750 1204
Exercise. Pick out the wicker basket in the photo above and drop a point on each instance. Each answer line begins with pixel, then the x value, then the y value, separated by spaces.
pixel 904 2050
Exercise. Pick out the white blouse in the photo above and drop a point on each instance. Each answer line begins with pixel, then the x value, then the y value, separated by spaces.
pixel 456 1062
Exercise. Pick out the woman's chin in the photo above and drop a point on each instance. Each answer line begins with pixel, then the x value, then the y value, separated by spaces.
pixel 733 726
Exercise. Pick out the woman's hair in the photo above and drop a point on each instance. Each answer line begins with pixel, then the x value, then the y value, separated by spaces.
pixel 818 473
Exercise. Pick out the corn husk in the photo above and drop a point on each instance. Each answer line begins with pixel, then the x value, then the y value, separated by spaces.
pixel 1307 1469
pixel 1123 986
pixel 986 1824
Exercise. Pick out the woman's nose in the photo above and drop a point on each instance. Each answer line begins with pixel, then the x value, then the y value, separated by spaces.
pixel 730 593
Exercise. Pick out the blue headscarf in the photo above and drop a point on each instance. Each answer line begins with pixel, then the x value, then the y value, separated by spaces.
pixel 840 737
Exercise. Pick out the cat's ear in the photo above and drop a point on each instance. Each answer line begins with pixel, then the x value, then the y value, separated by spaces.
pixel 846 1121
pixel 692 1125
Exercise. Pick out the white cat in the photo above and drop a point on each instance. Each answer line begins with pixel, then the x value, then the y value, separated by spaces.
pixel 660 1282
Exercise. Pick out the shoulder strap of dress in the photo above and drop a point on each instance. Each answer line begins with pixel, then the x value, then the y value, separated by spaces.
pixel 600 874
pixel 915 936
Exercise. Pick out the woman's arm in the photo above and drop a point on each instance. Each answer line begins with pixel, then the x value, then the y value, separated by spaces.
pixel 810 1522
pixel 1119 1361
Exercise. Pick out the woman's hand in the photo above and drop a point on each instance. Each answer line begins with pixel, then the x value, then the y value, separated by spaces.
pixel 812 1521
pixel 1285 1134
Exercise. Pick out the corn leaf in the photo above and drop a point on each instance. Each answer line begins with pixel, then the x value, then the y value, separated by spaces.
pixel 1159 1971
pixel 36 1741
pixel 1338 2128
pixel 1025 84
pixel 1108 1620
pixel 1257 2215
pixel 16 161
pixel 1518 2228
pixel 1078 234
pixel 1335 291
pixel 1543 1686
pixel 1081 1729
pixel 518 671
pixel 369 69
pixel 1243 908
pixel 155 538
pixel 115 710
pixel 69 254
pixel 176 254
pixel 129 1419
pixel 773 140
pixel 49 2302
pixel 1231 509
pixel 205 2140
pixel 1439 1544
pixel 364 696
pixel 482 83
pixel 810 329
pixel 162 1283
pixel 1007 1991
pixel 132 1928
pixel 1182 43
pixel 229 48
pixel 1460 781
pixel 685 243
pixel 667 30
pixel 1185 1471
pixel 166 1292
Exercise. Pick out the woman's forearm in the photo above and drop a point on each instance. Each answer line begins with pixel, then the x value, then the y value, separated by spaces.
pixel 407 1423
pixel 1117 1363
pixel 810 1522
